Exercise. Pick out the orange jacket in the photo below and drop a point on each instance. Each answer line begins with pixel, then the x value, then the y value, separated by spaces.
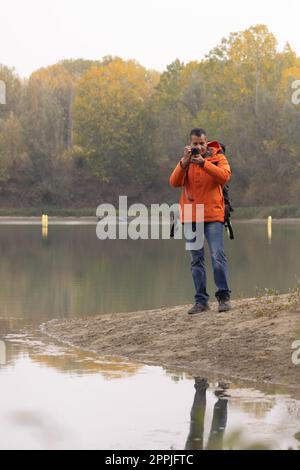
pixel 203 185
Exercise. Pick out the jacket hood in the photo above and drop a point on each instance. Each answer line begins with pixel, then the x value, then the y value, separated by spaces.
pixel 216 150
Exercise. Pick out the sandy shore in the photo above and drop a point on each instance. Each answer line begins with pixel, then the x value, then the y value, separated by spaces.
pixel 252 342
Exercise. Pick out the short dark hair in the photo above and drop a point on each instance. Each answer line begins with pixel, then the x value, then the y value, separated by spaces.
pixel 198 132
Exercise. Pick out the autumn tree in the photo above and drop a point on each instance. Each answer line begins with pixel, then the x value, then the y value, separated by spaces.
pixel 110 121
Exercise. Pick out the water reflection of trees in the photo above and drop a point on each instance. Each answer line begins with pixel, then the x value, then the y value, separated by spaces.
pixel 71 274
pixel 82 365
pixel 256 408
pixel 4 326
pixel 66 359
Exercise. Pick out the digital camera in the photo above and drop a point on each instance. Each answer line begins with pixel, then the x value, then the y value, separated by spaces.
pixel 195 152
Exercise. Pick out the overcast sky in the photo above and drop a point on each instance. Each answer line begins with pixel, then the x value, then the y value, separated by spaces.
pixel 35 33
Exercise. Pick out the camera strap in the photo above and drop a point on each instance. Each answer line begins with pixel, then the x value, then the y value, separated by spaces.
pixel 188 196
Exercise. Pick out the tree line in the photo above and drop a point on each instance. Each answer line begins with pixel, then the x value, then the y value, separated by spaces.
pixel 82 132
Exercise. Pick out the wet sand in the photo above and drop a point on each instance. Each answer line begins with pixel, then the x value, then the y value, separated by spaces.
pixel 253 342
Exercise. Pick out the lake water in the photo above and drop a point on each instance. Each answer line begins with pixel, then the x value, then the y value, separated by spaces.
pixel 56 397
pixel 72 272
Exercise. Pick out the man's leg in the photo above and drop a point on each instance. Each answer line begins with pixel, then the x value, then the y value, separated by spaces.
pixel 199 273
pixel 214 234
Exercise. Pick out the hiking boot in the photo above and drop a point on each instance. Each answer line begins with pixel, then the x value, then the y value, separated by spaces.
pixel 224 305
pixel 198 308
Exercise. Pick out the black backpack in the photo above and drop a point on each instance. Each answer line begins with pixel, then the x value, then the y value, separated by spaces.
pixel 228 205
pixel 228 210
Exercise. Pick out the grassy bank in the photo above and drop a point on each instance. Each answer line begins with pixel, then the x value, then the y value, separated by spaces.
pixel 277 212
pixel 240 213
pixel 51 211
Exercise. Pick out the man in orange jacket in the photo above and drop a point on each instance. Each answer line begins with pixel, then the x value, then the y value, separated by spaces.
pixel 202 177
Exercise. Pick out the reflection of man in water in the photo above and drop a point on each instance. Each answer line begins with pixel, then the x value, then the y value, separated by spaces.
pixel 195 437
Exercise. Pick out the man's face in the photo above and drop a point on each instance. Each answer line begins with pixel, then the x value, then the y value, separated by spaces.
pixel 200 143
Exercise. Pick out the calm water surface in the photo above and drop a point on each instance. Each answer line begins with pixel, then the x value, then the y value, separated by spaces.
pixel 73 273
pixel 56 397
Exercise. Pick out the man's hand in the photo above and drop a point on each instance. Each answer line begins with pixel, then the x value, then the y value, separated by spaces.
pixel 199 160
pixel 186 157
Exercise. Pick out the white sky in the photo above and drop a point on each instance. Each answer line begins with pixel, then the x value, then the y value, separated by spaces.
pixel 35 33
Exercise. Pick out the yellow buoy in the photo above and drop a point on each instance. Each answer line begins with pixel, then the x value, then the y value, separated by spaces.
pixel 44 231
pixel 44 225
pixel 44 220
pixel 269 228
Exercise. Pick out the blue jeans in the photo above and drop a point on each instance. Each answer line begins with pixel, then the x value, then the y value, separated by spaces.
pixel 213 232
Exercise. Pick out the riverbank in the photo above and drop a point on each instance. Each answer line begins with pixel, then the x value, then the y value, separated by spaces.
pixel 252 342
pixel 53 220
pixel 91 220
pixel 240 213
